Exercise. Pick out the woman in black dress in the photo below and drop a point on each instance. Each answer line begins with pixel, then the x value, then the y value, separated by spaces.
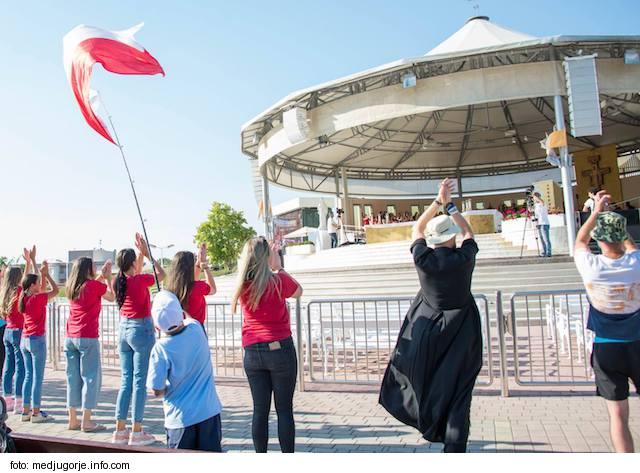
pixel 438 356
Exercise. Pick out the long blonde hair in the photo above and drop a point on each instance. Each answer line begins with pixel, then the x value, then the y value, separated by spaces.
pixel 9 290
pixel 254 274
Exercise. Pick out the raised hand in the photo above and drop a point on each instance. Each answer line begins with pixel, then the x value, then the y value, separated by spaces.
pixel 44 269
pixel 32 253
pixel 26 254
pixel 601 201
pixel 141 244
pixel 106 270
pixel 274 257
pixel 202 253
pixel 445 190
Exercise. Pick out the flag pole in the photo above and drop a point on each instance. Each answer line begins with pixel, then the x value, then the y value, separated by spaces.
pixel 133 190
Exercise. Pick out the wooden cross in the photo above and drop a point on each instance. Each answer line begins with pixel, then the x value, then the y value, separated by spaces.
pixel 596 173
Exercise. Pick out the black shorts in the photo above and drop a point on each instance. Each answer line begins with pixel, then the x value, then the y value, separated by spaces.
pixel 614 364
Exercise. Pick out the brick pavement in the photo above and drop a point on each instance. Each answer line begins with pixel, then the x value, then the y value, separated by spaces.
pixel 558 421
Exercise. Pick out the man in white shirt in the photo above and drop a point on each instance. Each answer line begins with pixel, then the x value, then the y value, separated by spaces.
pixel 588 204
pixel 612 282
pixel 542 218
pixel 332 228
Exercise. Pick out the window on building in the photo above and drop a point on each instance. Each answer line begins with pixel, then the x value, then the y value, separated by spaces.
pixel 479 205
pixel 521 201
pixel 415 209
pixel 507 203
pixel 391 209
pixel 368 210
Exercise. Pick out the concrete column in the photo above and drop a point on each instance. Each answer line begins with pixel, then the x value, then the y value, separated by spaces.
pixel 460 188
pixel 268 231
pixel 566 167
pixel 345 196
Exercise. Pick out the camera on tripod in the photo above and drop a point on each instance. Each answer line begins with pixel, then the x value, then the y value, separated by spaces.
pixel 530 203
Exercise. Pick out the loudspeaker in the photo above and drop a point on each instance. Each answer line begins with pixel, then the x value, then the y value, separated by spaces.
pixel 584 98
pixel 296 125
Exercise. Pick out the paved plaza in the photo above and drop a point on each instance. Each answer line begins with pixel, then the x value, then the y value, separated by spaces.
pixel 352 421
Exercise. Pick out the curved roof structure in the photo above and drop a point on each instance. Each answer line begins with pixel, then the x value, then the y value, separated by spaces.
pixel 474 106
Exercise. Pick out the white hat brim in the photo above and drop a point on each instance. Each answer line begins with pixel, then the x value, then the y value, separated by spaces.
pixel 440 238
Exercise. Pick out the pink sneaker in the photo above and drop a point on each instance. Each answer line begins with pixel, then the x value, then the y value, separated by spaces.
pixel 140 439
pixel 120 437
pixel 11 403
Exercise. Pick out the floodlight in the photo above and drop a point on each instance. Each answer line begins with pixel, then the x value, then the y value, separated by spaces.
pixel 409 80
pixel 631 56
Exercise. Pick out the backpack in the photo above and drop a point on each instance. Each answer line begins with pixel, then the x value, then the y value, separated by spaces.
pixel 6 442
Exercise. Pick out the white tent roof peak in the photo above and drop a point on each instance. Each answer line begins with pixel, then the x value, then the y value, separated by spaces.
pixel 478 32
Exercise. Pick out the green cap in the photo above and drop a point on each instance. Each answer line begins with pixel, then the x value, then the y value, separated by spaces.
pixel 610 228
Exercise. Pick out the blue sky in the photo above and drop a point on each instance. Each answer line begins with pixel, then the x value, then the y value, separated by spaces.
pixel 64 187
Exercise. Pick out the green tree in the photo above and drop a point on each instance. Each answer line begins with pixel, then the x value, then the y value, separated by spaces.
pixel 225 231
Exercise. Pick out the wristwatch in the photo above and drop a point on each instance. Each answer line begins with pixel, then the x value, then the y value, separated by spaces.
pixel 452 209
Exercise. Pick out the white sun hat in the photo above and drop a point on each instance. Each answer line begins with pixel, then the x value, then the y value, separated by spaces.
pixel 441 229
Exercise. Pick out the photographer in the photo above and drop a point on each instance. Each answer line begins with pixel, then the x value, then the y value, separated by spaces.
pixel 542 222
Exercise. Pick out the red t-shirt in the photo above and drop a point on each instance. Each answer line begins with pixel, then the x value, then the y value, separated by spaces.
pixel 197 304
pixel 35 314
pixel 137 303
pixel 15 319
pixel 84 312
pixel 270 319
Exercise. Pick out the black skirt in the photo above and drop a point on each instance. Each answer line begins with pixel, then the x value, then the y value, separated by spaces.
pixel 433 369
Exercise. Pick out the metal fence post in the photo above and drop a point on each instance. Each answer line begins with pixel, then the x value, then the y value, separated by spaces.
pixel 504 379
pixel 54 335
pixel 300 343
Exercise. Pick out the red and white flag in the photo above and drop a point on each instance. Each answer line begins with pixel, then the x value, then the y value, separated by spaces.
pixel 117 51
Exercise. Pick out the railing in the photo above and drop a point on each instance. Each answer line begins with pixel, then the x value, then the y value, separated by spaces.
pixel 351 340
pixel 551 343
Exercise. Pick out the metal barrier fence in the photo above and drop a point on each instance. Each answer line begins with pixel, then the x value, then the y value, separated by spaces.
pixel 551 343
pixel 351 340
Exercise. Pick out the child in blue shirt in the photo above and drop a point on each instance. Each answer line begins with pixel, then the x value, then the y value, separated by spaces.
pixel 180 371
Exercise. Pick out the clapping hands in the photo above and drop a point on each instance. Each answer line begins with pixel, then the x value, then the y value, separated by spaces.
pixel 446 189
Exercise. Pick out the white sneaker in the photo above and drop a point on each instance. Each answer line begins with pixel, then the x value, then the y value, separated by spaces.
pixel 140 439
pixel 17 406
pixel 40 418
pixel 120 437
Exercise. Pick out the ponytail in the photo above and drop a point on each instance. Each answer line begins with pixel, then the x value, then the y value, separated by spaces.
pixel 125 260
pixel 28 281
pixel 120 287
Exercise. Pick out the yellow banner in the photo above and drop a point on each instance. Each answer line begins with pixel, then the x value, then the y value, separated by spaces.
pixel 557 139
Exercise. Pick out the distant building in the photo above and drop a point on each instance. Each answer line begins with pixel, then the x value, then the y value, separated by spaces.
pixel 58 271
pixel 98 255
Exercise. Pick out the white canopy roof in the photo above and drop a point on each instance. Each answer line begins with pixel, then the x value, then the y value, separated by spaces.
pixel 478 32
pixel 482 100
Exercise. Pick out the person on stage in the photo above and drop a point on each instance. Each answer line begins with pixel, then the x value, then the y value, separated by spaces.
pixel 589 203
pixel 438 355
pixel 183 279
pixel 85 292
pixel 136 339
pixel 542 223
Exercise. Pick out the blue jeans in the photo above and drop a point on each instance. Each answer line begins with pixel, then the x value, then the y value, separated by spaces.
pixel 137 337
pixel 84 372
pixel 546 239
pixel 34 351
pixel 206 436
pixel 13 363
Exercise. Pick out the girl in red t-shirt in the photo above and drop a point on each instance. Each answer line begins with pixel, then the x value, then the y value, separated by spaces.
pixel 81 347
pixel 13 374
pixel 136 339
pixel 183 279
pixel 33 305
pixel 270 358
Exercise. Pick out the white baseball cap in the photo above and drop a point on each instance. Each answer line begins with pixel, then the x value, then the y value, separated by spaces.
pixel 441 229
pixel 167 312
